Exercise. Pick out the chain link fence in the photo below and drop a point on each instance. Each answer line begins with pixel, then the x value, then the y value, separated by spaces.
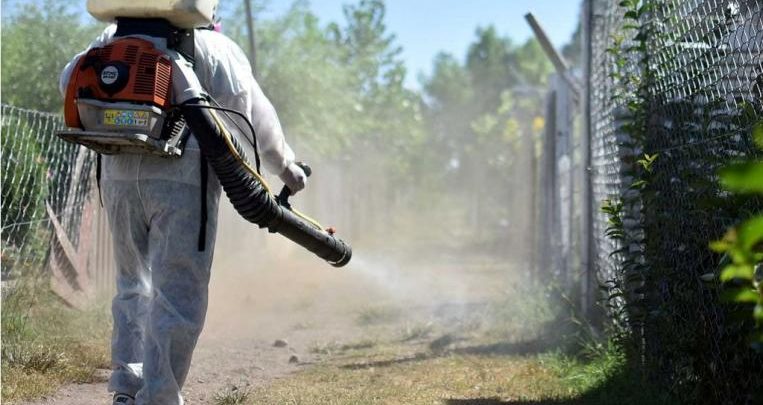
pixel 51 218
pixel 705 97
pixel 702 77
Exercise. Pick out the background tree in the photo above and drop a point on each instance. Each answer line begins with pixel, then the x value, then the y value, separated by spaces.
pixel 301 70
pixel 39 38
pixel 339 90
pixel 484 117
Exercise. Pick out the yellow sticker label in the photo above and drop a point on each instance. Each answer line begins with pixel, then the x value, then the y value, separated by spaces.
pixel 125 118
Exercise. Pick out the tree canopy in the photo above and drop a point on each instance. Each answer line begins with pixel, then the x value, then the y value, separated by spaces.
pixel 38 40
pixel 339 90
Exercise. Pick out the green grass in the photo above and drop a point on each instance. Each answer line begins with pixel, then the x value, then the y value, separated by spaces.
pixel 603 377
pixel 46 345
pixel 525 311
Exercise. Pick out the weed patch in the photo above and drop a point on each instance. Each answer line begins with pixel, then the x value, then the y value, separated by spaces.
pixel 46 345
pixel 233 395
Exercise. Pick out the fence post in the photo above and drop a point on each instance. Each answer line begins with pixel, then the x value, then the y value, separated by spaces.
pixel 547 250
pixel 588 284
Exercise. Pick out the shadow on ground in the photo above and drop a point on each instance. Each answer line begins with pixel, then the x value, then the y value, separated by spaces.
pixel 438 348
pixel 621 389
pixel 498 401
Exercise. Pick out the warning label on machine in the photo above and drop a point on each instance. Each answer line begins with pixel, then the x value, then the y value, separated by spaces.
pixel 125 118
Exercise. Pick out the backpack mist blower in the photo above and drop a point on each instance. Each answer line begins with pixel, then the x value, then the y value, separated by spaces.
pixel 134 96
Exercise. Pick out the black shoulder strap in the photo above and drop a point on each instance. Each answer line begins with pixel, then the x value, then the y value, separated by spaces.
pixel 203 216
pixel 98 169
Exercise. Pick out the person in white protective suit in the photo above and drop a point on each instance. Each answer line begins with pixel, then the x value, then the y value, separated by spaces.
pixel 154 205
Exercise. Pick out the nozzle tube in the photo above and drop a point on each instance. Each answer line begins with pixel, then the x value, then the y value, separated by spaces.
pixel 249 195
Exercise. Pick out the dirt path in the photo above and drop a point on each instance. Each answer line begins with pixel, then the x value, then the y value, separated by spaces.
pixel 292 296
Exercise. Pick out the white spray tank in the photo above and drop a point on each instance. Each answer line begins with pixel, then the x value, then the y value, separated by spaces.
pixel 180 13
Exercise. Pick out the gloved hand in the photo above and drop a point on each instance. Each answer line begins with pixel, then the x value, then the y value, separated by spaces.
pixel 294 178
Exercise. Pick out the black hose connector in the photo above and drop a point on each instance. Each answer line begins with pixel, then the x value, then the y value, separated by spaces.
pixel 249 196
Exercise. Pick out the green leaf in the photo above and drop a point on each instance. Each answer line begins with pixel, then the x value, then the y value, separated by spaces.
pixel 639 184
pixel 740 295
pixel 743 177
pixel 757 134
pixel 751 233
pixel 647 6
pixel 734 271
pixel 757 314
pixel 707 277
pixel 725 244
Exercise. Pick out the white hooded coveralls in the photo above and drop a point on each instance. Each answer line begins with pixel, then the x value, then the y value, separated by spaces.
pixel 153 205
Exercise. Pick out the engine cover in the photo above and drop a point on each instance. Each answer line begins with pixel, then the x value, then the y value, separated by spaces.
pixel 118 100
pixel 127 70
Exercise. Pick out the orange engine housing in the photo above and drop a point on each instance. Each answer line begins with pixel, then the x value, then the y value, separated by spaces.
pixel 127 70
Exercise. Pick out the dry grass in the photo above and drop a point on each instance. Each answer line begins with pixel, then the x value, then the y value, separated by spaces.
pixel 394 374
pixel 377 315
pixel 423 381
pixel 336 347
pixel 46 345
pixel 75 363
pixel 416 331
pixel 233 395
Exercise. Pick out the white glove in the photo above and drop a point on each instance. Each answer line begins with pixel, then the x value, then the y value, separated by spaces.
pixel 294 178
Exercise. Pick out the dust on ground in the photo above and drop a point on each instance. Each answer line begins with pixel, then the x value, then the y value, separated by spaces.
pixel 265 289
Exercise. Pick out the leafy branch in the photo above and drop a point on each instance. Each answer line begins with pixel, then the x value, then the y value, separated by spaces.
pixel 631 76
pixel 742 246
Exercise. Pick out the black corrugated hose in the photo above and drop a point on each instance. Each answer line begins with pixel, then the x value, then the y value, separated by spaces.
pixel 249 196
